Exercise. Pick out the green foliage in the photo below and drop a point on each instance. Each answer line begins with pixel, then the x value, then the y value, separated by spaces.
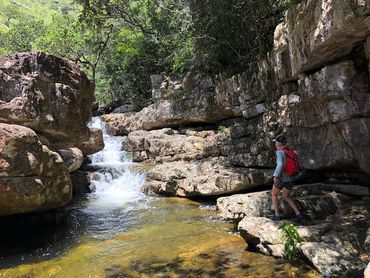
pixel 291 239
pixel 221 128
pixel 18 30
pixel 153 38
pixel 174 37
pixel 120 43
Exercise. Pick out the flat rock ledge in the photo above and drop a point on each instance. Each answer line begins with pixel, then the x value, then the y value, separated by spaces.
pixel 334 236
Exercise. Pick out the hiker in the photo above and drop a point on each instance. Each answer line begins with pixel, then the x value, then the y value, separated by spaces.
pixel 282 181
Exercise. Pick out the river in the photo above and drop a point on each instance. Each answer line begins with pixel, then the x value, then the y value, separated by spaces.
pixel 117 231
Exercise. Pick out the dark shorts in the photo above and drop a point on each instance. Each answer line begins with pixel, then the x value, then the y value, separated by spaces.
pixel 280 185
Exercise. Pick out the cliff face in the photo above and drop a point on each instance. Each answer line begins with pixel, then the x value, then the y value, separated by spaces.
pixel 216 140
pixel 313 87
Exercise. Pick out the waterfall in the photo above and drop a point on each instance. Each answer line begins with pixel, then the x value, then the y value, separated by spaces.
pixel 115 181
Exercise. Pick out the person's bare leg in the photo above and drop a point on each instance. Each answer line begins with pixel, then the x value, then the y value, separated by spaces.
pixel 275 199
pixel 286 196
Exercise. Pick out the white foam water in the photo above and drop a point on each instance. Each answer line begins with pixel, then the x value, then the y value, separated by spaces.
pixel 115 183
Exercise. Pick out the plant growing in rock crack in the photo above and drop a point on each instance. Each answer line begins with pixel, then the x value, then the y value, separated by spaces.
pixel 291 239
pixel 221 128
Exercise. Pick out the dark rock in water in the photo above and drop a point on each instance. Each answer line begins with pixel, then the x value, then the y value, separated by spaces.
pixel 81 183
pixel 109 107
pixel 87 160
pixel 94 109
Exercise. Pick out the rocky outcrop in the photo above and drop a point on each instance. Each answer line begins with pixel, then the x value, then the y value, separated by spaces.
pixel 202 105
pixel 32 177
pixel 203 178
pixel 48 94
pixel 167 145
pixel 333 235
pixel 193 162
pixel 335 28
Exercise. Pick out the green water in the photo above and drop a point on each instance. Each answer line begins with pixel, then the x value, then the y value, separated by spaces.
pixel 151 237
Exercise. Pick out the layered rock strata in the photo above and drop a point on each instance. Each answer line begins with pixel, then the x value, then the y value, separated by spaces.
pixel 313 87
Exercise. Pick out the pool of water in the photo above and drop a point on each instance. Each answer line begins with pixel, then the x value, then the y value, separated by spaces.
pixel 150 237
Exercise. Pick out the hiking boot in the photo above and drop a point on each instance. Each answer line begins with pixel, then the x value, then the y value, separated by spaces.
pixel 276 217
pixel 299 217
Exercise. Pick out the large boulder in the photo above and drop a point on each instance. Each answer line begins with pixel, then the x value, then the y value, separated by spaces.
pixel 32 177
pixel 119 124
pixel 166 145
pixel 48 94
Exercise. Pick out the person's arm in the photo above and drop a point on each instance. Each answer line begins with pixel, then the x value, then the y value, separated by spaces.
pixel 279 163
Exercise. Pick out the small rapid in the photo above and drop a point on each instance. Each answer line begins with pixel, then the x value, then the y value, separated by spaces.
pixel 115 182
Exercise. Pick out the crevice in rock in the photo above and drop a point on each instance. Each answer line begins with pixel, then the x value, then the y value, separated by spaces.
pixel 356 55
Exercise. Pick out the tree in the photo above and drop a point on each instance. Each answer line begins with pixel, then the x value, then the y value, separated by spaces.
pixel 152 39
pixel 21 30
pixel 67 37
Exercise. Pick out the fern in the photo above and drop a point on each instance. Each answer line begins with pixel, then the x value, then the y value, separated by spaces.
pixel 291 239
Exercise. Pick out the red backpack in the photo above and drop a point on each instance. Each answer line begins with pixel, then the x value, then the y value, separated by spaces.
pixel 291 163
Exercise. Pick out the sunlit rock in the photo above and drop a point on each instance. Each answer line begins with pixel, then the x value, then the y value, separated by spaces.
pixel 335 28
pixel 72 157
pixel 32 177
pixel 94 144
pixel 48 94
